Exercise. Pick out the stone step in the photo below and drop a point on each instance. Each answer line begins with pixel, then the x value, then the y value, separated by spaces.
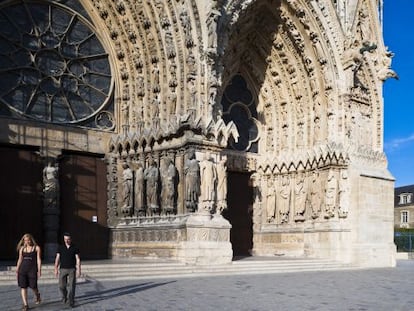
pixel 199 271
pixel 107 270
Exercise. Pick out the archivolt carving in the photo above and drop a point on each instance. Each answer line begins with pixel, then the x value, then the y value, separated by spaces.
pixel 297 63
pixel 301 66
pixel 156 40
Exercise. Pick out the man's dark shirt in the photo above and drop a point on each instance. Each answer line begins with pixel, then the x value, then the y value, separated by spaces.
pixel 67 256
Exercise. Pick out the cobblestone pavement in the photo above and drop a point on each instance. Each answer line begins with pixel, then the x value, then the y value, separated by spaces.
pixel 388 289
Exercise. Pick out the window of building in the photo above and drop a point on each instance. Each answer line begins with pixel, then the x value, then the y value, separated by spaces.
pixel 406 198
pixel 404 217
pixel 239 106
pixel 53 66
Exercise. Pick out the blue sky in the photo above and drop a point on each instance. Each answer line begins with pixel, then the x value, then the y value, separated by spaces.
pixel 398 95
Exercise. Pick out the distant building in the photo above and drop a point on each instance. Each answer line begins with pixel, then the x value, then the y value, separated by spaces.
pixel 404 207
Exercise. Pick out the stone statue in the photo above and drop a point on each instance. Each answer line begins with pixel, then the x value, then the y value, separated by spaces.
pixel 364 26
pixel 192 181
pixel 331 192
pixel 271 200
pixel 314 195
pixel 169 42
pixel 221 186
pixel 284 199
pixel 172 100
pixel 50 185
pixel 155 107
pixel 127 184
pixel 191 67
pixel 317 130
pixel 300 198
pixel 208 174
pixel 186 24
pixel 151 176
pixel 140 86
pixel 358 78
pixel 168 191
pixel 284 138
pixel 300 135
pixel 212 24
pixel 139 190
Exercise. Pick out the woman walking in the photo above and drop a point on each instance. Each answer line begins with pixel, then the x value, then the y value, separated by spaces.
pixel 28 267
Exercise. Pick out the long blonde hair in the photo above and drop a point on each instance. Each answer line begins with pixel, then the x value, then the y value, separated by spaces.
pixel 21 242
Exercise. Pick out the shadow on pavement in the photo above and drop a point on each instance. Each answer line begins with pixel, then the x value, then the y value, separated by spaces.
pixel 100 293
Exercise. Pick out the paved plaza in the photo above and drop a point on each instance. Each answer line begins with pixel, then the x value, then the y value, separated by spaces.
pixel 388 289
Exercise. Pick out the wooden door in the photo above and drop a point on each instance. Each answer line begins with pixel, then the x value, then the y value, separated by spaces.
pixel 83 204
pixel 239 213
pixel 21 204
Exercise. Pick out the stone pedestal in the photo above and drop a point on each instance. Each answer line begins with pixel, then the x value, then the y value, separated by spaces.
pixel 51 228
pixel 207 241
pixel 50 250
pixel 198 238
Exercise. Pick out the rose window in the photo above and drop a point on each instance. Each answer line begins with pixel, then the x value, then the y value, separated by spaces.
pixel 53 67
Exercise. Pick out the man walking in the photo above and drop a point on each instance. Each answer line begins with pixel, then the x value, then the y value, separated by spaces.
pixel 68 267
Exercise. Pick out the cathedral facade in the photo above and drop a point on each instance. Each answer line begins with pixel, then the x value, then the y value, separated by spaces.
pixel 197 130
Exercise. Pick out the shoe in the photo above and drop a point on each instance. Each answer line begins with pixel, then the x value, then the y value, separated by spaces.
pixel 64 300
pixel 72 304
pixel 25 308
pixel 38 299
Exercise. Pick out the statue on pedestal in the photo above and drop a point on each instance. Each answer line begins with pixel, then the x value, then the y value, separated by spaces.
pixel 208 176
pixel 50 185
pixel 127 184
pixel 168 191
pixel 151 176
pixel 192 181
pixel 221 186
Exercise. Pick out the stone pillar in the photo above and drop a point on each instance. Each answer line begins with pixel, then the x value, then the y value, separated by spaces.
pixel 179 163
pixel 112 178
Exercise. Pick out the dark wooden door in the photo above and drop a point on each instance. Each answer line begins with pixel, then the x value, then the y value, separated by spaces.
pixel 239 213
pixel 21 204
pixel 83 204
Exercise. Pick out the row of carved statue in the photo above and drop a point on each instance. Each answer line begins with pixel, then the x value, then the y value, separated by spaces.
pixel 153 189
pixel 306 196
